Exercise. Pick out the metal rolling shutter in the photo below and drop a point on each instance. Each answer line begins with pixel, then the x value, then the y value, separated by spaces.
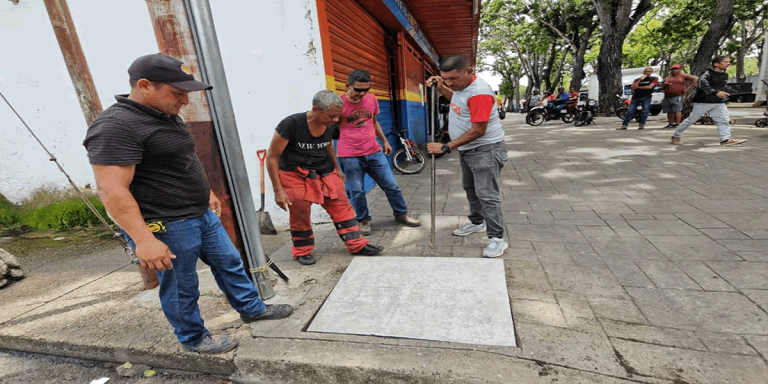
pixel 358 41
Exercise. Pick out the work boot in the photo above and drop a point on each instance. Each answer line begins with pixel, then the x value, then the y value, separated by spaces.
pixel 271 312
pixel 408 220
pixel 214 344
pixel 365 227
pixel 369 250
pixel 468 229
pixel 641 126
pixel 306 260
pixel 621 128
pixel 676 140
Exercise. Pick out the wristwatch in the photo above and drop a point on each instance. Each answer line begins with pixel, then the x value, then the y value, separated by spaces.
pixel 445 148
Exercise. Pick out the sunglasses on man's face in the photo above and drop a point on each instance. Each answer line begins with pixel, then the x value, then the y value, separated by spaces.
pixel 361 90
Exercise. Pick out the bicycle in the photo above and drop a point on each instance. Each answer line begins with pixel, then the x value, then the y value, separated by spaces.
pixel 408 160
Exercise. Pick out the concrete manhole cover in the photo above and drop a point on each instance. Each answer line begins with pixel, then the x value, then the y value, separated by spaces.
pixel 430 298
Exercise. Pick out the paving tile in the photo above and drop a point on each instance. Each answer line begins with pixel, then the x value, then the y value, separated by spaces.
pixel 665 274
pixel 724 234
pixel 746 275
pixel 527 280
pixel 550 205
pixel 677 338
pixel 753 256
pixel 620 309
pixel 704 276
pixel 596 231
pixel 588 215
pixel 577 313
pixel 726 343
pixel 584 255
pixel 583 280
pixel 701 220
pixel 621 247
pixel 719 207
pixel 552 253
pixel 756 234
pixel 622 228
pixel 758 296
pixel 545 233
pixel 661 206
pixel 689 366
pixel 744 219
pixel 539 312
pixel 692 248
pixel 580 350
pixel 759 343
pixel 628 274
pixel 745 245
pixel 663 228
pixel 726 311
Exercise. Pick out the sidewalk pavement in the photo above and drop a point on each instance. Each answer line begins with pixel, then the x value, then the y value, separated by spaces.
pixel 631 260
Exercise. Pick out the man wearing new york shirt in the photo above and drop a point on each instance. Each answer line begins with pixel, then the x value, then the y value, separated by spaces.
pixel 478 135
pixel 359 153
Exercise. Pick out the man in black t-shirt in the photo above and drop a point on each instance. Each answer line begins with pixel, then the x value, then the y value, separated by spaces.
pixel 304 170
pixel 146 169
pixel 642 88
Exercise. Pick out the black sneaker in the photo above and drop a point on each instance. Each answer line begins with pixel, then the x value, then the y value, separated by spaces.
pixel 213 344
pixel 669 126
pixel 306 260
pixel 369 250
pixel 277 311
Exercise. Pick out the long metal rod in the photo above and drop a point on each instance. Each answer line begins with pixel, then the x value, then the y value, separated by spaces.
pixel 220 102
pixel 432 117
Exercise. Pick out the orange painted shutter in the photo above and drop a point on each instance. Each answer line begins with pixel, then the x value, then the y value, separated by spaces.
pixel 358 41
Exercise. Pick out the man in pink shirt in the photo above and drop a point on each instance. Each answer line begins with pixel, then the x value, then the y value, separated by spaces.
pixel 359 153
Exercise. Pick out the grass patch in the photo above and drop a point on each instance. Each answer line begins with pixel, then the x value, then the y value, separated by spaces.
pixel 51 209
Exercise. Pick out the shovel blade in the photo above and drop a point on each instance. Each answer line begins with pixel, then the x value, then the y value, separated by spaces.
pixel 265 224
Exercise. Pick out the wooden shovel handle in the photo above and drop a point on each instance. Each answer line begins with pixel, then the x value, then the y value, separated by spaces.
pixel 262 154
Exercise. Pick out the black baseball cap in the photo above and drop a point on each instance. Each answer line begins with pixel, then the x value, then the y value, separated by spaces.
pixel 165 69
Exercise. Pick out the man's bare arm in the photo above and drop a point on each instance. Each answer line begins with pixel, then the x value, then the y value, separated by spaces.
pixel 380 134
pixel 276 148
pixel 113 183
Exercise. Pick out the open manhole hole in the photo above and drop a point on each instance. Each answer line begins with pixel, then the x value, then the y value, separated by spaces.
pixel 457 300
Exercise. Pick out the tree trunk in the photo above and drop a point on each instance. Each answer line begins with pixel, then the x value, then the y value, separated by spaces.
pixel 546 73
pixel 721 23
pixel 559 75
pixel 616 22
pixel 578 61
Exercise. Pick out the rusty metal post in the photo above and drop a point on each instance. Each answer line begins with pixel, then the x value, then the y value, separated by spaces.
pixel 175 37
pixel 77 66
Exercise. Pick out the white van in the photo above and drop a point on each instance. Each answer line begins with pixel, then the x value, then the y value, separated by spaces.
pixel 629 75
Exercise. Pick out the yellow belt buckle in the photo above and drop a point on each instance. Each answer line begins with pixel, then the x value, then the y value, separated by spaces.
pixel 156 227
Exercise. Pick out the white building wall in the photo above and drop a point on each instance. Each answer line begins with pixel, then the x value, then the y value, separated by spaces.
pixel 272 57
pixel 274 66
pixel 34 78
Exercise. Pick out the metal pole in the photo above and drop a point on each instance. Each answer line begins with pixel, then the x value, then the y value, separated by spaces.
pixel 432 118
pixel 181 36
pixel 77 66
pixel 220 103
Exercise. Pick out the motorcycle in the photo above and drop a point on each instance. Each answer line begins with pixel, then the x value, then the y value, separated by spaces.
pixel 586 113
pixel 540 114
pixel 623 108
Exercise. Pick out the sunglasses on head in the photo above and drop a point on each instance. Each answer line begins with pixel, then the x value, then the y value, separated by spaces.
pixel 361 90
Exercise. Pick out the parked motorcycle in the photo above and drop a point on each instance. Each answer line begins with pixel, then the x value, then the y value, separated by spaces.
pixel 623 108
pixel 586 113
pixel 540 114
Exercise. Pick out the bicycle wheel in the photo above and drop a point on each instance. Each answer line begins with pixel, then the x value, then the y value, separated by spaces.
pixel 406 165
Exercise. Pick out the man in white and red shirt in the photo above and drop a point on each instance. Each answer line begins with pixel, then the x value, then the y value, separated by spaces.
pixel 474 124
pixel 359 153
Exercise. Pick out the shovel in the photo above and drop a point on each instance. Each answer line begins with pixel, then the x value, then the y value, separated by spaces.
pixel 265 222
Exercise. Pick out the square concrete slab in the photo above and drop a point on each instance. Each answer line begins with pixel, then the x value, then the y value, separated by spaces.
pixel 445 299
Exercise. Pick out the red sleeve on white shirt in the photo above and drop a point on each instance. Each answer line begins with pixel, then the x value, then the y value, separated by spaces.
pixel 480 107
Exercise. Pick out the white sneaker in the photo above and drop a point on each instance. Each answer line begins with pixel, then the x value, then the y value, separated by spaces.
pixel 469 229
pixel 495 248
